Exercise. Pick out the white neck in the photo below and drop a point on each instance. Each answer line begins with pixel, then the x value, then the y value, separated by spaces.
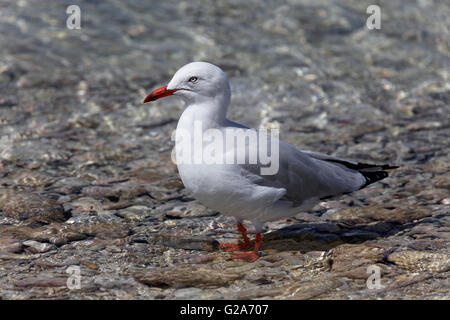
pixel 211 112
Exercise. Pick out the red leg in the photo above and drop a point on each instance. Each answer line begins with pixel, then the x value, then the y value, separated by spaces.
pixel 252 255
pixel 241 245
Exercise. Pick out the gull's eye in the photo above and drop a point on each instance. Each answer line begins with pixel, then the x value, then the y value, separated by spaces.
pixel 193 79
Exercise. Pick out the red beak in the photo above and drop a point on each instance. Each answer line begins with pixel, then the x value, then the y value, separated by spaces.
pixel 158 94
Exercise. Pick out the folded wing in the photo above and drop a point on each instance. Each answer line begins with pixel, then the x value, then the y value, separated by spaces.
pixel 310 175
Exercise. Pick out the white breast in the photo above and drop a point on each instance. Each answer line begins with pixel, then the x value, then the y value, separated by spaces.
pixel 222 187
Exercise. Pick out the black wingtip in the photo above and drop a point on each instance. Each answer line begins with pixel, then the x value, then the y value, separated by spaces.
pixel 373 176
pixel 374 173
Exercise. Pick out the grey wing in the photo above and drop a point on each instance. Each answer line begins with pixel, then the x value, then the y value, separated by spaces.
pixel 310 175
pixel 371 172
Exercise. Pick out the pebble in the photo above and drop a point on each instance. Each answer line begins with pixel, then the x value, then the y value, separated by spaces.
pixel 38 247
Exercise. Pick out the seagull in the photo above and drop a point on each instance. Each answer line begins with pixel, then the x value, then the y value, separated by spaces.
pixel 241 188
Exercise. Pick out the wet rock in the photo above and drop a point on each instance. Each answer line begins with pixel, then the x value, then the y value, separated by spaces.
pixel 18 257
pixel 41 282
pixel 31 206
pixel 33 179
pixel 38 247
pixel 115 191
pixel 85 205
pixel 350 257
pixel 420 261
pixel 139 238
pixel 184 242
pixel 381 227
pixel 183 277
pixel 428 230
pixel 54 233
pixel 8 221
pixel 424 244
pixel 135 213
pixel 258 292
pixel 197 258
pixel 442 181
pixel 57 234
pixel 101 192
pixel 305 237
pixel 90 265
pixel 360 215
pixel 10 245
pixel 312 288
pixel 358 236
pixel 188 293
pixel 191 209
pixel 69 185
pixel 101 229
